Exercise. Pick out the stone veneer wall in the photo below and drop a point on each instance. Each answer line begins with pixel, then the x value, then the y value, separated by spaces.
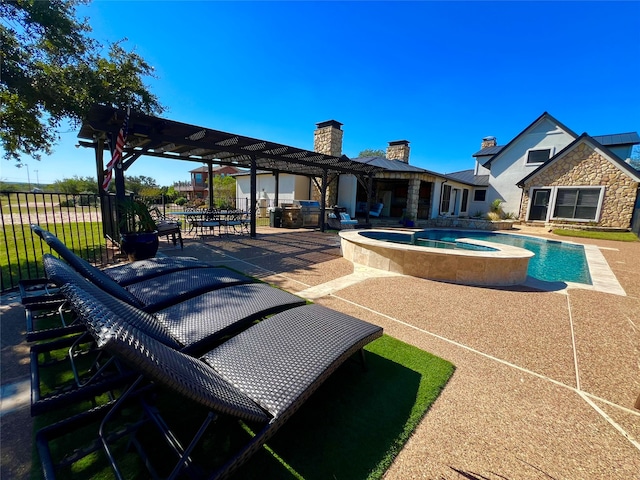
pixel 398 151
pixel 327 139
pixel 584 166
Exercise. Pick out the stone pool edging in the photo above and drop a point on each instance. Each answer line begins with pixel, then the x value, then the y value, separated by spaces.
pixel 506 265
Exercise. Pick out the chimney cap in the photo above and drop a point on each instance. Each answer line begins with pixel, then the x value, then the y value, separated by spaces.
pixel 329 123
pixel 399 142
pixel 489 138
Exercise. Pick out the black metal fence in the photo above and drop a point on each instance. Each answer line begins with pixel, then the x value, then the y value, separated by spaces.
pixel 77 220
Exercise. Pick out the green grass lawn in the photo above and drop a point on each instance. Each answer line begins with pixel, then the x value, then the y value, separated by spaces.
pixel 351 428
pixel 616 236
pixel 23 255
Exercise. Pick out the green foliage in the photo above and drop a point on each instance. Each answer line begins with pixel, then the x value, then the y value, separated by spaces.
pixel 224 191
pixel 52 70
pixel 180 201
pixel 138 184
pixel 496 205
pixel 150 192
pixel 372 153
pixel 9 187
pixel 135 217
pixel 76 185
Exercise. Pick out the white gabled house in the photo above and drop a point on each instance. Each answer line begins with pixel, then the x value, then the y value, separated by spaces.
pixel 548 166
pixel 547 174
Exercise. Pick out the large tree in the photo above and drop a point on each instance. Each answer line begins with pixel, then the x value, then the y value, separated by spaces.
pixel 370 152
pixel 52 70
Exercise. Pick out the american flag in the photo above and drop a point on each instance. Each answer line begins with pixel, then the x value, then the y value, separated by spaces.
pixel 117 152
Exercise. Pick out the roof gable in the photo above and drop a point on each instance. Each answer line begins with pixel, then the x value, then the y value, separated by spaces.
pixel 584 138
pixel 544 117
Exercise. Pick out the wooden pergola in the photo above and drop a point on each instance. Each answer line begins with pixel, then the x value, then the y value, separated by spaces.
pixel 159 137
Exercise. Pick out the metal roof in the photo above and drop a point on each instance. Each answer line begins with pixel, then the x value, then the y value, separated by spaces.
pixel 159 137
pixel 390 165
pixel 467 176
pixel 488 151
pixel 630 138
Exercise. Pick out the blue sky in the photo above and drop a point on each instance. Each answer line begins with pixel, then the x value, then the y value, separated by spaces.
pixel 441 75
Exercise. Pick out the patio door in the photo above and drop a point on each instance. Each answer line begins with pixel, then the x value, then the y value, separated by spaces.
pixel 539 203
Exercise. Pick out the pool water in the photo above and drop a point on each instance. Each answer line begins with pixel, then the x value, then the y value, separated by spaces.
pixel 553 261
pixel 410 239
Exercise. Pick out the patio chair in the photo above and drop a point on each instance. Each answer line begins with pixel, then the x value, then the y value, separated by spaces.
pixel 210 220
pixel 262 375
pixel 344 222
pixel 166 226
pixel 376 211
pixel 191 326
pixel 235 220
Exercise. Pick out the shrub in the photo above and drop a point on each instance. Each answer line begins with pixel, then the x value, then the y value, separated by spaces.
pixel 180 201
pixel 68 203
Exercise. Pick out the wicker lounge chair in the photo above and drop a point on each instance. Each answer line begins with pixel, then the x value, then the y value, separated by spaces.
pixel 192 326
pixel 262 375
pixel 129 272
pixel 157 292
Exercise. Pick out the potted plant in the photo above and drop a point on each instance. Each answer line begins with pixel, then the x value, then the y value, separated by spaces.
pixel 138 231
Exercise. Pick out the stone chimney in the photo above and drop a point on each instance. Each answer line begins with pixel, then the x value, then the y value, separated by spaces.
pixel 488 142
pixel 327 138
pixel 398 150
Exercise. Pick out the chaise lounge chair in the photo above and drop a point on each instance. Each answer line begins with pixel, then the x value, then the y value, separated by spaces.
pixel 159 291
pixel 127 273
pixel 262 375
pixel 191 326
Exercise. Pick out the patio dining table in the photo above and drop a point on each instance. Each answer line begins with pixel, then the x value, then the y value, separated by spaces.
pixel 237 219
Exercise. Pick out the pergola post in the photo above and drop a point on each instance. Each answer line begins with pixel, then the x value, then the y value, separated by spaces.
pixel 277 180
pixel 323 199
pixel 369 193
pixel 254 196
pixel 210 180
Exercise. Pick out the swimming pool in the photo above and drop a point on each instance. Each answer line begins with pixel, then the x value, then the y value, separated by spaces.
pixel 554 261
pixel 469 262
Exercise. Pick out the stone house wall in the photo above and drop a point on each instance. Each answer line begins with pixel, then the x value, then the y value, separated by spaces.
pixel 584 166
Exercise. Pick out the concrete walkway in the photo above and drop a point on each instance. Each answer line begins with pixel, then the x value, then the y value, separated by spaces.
pixel 545 382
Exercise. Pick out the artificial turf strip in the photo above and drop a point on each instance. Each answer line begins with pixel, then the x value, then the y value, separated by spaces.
pixel 356 424
pixel 352 427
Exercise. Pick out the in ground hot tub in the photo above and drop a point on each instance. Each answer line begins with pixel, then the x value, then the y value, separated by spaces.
pixel 466 261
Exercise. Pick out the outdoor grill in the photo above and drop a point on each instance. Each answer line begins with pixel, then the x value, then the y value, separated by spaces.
pixel 301 213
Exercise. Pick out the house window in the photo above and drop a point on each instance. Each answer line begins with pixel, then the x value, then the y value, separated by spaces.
pixel 577 203
pixel 465 200
pixel 479 195
pixel 446 199
pixel 538 156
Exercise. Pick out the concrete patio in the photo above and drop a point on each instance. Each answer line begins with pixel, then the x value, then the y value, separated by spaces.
pixel 545 382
